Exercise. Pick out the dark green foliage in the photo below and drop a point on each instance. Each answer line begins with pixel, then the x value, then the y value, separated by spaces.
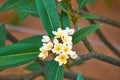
pixel 17 54
pixel 79 77
pixel 64 7
pixel 2 35
pixel 33 40
pixel 54 71
pixel 34 66
pixel 84 32
pixel 64 20
pixel 48 15
pixel 89 16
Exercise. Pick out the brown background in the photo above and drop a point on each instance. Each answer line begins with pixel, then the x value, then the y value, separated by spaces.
pixel 93 68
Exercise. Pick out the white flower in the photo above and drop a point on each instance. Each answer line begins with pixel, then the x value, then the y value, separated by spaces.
pixel 57 48
pixel 60 33
pixel 66 49
pixel 61 45
pixel 43 53
pixel 48 46
pixel 55 41
pixel 73 55
pixel 67 40
pixel 69 31
pixel 62 59
pixel 45 39
pixel 59 0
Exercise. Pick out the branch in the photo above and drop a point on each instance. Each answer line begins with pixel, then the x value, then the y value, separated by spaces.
pixel 11 37
pixel 104 40
pixel 84 57
pixel 32 76
pixel 107 43
pixel 103 19
pixel 97 55
pixel 100 57
pixel 107 59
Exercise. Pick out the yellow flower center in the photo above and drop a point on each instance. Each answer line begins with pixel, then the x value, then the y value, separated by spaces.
pixel 49 46
pixel 58 48
pixel 65 40
pixel 59 34
pixel 44 52
pixel 62 58
pixel 66 49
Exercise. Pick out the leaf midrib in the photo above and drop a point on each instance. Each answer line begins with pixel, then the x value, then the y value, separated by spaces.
pixel 19 54
pixel 47 14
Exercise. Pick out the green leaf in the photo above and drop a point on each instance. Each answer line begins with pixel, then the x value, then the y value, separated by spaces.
pixel 79 77
pixel 34 66
pixel 2 35
pixel 64 7
pixel 89 16
pixel 22 16
pixel 91 2
pixel 28 9
pixel 65 20
pixel 82 3
pixel 18 54
pixel 48 14
pixel 33 40
pixel 8 5
pixel 12 4
pixel 84 32
pixel 54 71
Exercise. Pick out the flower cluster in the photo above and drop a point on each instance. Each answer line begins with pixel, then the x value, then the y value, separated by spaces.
pixel 61 46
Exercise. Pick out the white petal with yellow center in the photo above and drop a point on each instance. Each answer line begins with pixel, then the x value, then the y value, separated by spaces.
pixel 57 48
pixel 43 54
pixel 60 33
pixel 62 59
pixel 67 40
pixel 48 46
pixel 66 49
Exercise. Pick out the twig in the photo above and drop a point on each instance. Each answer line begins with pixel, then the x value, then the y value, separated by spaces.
pixel 32 76
pixel 104 19
pixel 97 55
pixel 104 40
pixel 107 59
pixel 107 43
pixel 84 57
pixel 100 57
pixel 11 37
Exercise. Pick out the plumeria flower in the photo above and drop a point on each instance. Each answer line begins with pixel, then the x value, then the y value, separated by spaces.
pixel 60 33
pixel 69 31
pixel 48 46
pixel 57 48
pixel 67 40
pixel 43 53
pixel 60 45
pixel 62 59
pixel 66 49
pixel 45 39
pixel 73 55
